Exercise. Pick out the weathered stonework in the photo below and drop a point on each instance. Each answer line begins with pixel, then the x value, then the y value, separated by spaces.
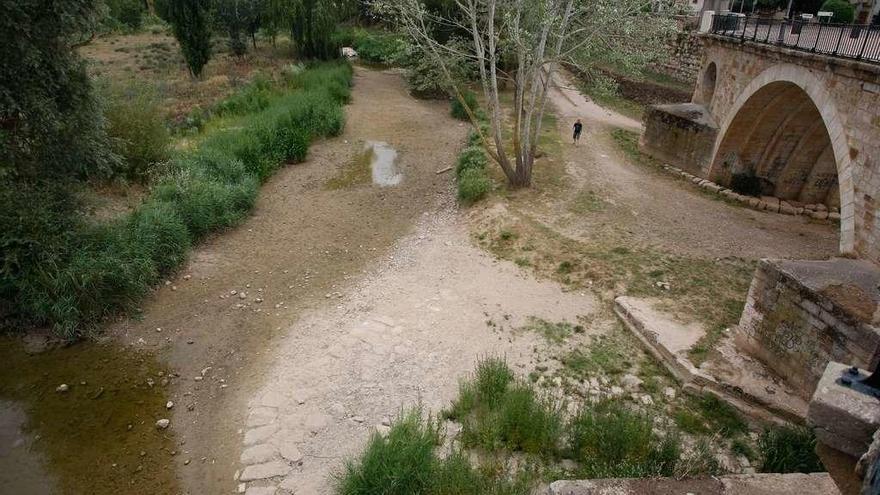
pixel 800 315
pixel 681 133
pixel 685 51
pixel 807 125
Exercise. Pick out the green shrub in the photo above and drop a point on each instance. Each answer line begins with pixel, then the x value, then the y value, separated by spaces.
pixel 497 411
pixel 405 462
pixel 472 157
pixel 473 185
pixel 128 12
pixel 400 463
pixel 206 204
pixel 136 128
pixel 374 46
pixel 253 97
pixel 723 417
pixel 747 183
pixel 158 231
pixel 610 440
pixel 106 271
pixel 844 12
pixel 457 108
pixel 789 449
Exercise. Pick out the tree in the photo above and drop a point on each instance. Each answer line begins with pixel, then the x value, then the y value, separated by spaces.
pixel 50 119
pixel 190 24
pixel 128 12
pixel 239 18
pixel 844 12
pixel 51 132
pixel 312 23
pixel 523 42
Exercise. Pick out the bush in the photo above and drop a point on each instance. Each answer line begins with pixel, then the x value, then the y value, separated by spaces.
pixel 473 185
pixel 374 46
pixel 747 184
pixel 252 98
pixel 206 204
pixel 470 171
pixel 472 157
pixel 405 463
pixel 843 10
pixel 127 12
pixel 610 440
pixel 458 111
pixel 136 128
pixel 497 411
pixel 789 449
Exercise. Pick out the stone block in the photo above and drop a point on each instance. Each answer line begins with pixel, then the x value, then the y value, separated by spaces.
pixel 845 419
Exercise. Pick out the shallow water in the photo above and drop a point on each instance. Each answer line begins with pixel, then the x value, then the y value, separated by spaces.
pixel 383 164
pixel 99 437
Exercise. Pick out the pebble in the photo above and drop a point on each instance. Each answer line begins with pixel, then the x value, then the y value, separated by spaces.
pixel 386 421
pixel 163 423
pixel 358 419
pixel 169 405
pixel 242 295
pixel 62 388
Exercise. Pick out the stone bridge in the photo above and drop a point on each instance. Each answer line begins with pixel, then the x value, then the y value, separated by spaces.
pixel 803 127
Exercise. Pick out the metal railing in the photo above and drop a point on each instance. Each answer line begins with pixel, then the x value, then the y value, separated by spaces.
pixel 854 41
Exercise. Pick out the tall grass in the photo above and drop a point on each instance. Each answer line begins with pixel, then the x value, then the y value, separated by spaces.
pixel 405 462
pixel 98 270
pixel 498 411
pixel 610 440
pixel 789 449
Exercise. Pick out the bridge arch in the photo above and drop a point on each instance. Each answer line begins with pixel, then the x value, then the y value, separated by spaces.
pixel 783 120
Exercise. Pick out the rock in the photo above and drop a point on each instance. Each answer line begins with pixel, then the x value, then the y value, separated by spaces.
pixel 62 388
pixel 258 454
pixel 615 390
pixel 261 490
pixel 669 393
pixel 821 207
pixel 819 215
pixel 233 292
pixel 834 216
pixel 169 405
pixel 265 470
pixel 242 487
pixel 646 400
pixel 291 453
pixel 386 421
pixel 631 382
pixel 260 434
pixel 358 419
pixel 163 424
pixel 242 295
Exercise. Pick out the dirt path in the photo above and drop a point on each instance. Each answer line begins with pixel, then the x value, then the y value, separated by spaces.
pixel 647 207
pixel 305 241
pixel 401 337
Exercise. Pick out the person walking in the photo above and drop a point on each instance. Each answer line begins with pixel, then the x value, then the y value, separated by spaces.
pixel 578 127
